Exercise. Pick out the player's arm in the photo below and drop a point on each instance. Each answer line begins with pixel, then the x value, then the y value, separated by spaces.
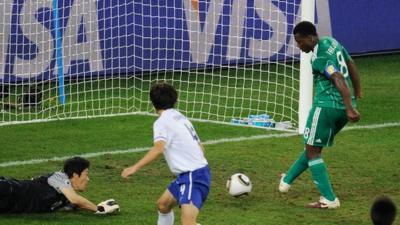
pixel 78 200
pixel 150 156
pixel 355 78
pixel 340 83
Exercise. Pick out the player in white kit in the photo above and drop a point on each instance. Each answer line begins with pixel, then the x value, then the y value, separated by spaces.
pixel 175 137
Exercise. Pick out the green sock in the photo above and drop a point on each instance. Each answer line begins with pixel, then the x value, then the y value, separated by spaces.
pixel 321 178
pixel 298 167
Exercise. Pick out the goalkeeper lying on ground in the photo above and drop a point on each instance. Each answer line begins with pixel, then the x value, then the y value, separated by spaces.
pixel 55 191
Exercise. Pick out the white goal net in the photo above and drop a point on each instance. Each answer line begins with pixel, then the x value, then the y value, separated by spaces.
pixel 89 58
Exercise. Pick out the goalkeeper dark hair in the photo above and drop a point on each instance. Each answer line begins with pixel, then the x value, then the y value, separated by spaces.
pixel 305 28
pixel 383 211
pixel 75 165
pixel 163 96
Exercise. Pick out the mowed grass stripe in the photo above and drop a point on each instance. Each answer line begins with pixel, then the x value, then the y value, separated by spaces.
pixel 210 142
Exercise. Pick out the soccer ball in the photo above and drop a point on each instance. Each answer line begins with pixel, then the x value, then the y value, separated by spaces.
pixel 238 184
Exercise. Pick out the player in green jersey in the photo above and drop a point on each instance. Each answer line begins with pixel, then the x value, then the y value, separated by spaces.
pixel 336 87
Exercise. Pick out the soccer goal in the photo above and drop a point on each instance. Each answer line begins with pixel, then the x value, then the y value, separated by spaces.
pixel 89 58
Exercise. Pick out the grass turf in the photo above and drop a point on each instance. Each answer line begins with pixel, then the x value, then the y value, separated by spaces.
pixel 363 164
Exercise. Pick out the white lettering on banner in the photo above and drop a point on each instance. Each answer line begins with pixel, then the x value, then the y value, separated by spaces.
pixel 324 18
pixel 5 29
pixel 85 11
pixel 278 22
pixel 38 34
pixel 201 41
pixel 324 27
pixel 236 31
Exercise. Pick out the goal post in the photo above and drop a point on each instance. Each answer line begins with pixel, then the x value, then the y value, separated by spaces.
pixel 228 59
pixel 306 78
pixel 58 52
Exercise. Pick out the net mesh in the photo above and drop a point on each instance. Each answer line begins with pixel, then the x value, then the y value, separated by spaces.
pixel 227 59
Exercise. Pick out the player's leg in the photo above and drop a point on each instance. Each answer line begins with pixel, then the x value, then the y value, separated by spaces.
pixel 320 177
pixel 297 168
pixel 165 204
pixel 301 164
pixel 192 200
pixel 321 134
pixel 194 194
pixel 189 213
pixel 319 172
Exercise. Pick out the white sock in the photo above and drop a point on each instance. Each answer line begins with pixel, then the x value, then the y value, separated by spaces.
pixel 166 219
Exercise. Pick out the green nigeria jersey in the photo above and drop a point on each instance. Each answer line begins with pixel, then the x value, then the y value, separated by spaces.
pixel 329 57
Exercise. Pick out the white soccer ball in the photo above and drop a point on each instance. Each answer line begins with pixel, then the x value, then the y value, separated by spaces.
pixel 238 184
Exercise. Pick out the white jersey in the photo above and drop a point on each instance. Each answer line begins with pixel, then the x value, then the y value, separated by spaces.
pixel 182 151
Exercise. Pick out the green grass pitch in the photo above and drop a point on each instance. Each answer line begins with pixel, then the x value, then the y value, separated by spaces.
pixel 363 164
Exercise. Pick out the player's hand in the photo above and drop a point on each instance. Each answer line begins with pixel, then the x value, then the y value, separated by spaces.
pixel 353 115
pixel 107 207
pixel 127 172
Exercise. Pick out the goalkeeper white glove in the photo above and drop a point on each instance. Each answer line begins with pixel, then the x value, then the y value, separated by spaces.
pixel 108 206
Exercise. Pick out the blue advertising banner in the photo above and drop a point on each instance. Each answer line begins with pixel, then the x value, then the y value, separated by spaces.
pixel 111 37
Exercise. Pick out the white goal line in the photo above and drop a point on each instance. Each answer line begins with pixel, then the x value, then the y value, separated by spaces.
pixel 210 142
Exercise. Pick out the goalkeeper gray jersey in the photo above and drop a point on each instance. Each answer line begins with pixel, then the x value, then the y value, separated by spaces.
pixel 40 194
pixel 58 181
